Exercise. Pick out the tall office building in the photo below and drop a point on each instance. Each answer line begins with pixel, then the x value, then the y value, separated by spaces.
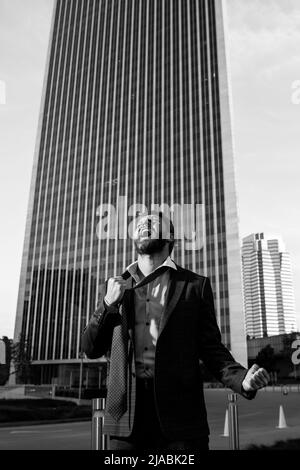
pixel 268 287
pixel 135 110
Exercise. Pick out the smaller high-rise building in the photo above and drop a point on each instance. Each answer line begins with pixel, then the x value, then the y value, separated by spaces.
pixel 268 287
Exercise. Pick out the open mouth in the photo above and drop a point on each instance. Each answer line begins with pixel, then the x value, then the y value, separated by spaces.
pixel 147 229
pixel 145 232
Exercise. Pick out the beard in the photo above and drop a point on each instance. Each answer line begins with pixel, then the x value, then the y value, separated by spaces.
pixel 150 246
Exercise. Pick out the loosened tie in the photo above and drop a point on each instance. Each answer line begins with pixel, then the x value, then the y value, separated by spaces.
pixel 117 389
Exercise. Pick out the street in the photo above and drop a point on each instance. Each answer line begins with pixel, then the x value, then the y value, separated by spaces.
pixel 257 418
pixel 62 436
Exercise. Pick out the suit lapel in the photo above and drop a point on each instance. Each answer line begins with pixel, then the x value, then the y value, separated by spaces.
pixel 177 284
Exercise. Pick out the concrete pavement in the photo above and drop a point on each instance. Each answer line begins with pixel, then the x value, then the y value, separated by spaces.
pixel 258 419
pixel 60 436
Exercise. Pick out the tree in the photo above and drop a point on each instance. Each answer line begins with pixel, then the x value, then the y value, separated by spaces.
pixel 21 357
pixel 266 358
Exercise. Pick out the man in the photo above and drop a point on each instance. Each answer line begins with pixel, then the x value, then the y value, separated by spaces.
pixel 158 321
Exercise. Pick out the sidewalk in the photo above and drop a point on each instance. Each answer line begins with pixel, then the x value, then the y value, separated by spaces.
pixel 258 436
pixel 258 418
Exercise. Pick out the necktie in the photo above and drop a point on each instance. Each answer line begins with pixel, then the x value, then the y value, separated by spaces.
pixel 121 355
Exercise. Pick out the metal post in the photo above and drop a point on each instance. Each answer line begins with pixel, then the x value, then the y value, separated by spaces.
pixel 81 355
pixel 87 378
pixel 99 377
pixel 99 440
pixel 234 443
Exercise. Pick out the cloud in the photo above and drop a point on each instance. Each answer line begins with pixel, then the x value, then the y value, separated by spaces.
pixel 24 30
pixel 263 36
pixel 24 34
pixel 259 15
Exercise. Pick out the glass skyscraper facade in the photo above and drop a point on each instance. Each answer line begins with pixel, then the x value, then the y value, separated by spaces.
pixel 135 108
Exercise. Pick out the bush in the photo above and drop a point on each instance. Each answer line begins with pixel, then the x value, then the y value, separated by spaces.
pixel 41 409
pixel 86 394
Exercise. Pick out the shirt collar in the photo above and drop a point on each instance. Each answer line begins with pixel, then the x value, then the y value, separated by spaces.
pixel 132 268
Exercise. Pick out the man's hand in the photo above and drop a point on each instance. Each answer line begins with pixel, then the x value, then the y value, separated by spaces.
pixel 255 379
pixel 115 290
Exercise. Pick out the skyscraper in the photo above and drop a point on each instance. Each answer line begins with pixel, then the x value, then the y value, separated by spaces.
pixel 135 110
pixel 268 287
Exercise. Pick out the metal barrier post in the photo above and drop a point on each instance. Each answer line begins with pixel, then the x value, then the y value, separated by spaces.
pixel 234 443
pixel 99 440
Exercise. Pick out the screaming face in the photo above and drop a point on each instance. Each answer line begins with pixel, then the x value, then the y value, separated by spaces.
pixel 149 236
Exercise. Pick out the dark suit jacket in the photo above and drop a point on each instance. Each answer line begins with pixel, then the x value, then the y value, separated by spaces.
pixel 188 332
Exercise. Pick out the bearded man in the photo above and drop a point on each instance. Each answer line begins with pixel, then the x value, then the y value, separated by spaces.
pixel 157 321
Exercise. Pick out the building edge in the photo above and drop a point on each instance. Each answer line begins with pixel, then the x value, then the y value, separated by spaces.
pixel 237 327
pixel 24 262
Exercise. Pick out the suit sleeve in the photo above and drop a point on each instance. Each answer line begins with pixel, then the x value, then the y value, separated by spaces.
pixel 97 335
pixel 214 354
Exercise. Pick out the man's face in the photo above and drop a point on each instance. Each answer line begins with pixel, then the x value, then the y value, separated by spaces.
pixel 148 234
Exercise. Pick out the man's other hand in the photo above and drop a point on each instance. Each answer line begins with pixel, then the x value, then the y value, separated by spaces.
pixel 256 378
pixel 116 287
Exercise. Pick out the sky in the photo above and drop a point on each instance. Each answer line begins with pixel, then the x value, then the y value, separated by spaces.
pixel 264 57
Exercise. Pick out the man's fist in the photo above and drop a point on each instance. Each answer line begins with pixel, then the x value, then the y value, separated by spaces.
pixel 255 379
pixel 115 290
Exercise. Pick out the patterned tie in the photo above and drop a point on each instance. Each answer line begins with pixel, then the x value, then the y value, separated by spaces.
pixel 121 356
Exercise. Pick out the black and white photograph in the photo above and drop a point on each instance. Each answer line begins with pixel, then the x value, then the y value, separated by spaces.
pixel 149 243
